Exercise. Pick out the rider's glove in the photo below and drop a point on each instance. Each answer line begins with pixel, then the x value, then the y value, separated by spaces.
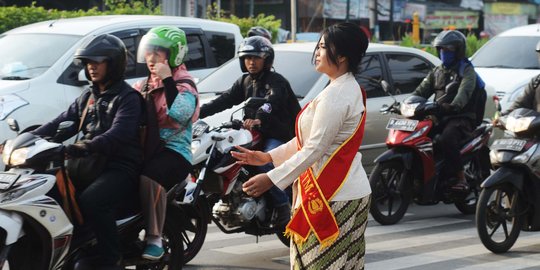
pixel 79 149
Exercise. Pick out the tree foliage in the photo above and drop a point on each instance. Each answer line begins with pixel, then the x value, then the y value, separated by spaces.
pixel 14 16
pixel 269 22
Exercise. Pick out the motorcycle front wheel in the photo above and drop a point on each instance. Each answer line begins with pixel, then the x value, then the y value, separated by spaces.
pixel 390 185
pixel 498 219
pixel 194 229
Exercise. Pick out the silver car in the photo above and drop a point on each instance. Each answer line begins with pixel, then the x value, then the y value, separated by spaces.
pixel 404 68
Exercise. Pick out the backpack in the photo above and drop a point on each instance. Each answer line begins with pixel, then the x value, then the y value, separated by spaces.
pixel 151 141
pixel 479 95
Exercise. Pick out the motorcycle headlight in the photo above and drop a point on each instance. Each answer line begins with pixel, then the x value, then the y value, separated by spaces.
pixel 407 110
pixel 9 103
pixel 6 151
pixel 518 124
pixel 14 158
pixel 199 128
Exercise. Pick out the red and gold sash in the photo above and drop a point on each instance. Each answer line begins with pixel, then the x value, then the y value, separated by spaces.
pixel 314 214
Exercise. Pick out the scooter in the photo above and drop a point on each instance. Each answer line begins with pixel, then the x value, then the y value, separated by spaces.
pixel 34 224
pixel 215 192
pixel 510 201
pixel 411 170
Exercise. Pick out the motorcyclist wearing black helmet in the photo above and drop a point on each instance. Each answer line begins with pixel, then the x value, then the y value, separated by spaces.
pixel 530 97
pixel 458 115
pixel 276 117
pixel 110 112
pixel 259 31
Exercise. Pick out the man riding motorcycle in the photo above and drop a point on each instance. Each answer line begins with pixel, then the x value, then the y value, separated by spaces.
pixel 110 112
pixel 276 117
pixel 457 108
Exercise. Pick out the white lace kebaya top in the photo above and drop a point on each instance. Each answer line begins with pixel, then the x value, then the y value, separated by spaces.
pixel 329 120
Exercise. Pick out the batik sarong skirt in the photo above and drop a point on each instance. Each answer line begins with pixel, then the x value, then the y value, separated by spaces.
pixel 348 251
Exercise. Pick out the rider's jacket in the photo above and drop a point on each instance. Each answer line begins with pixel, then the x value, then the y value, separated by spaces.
pixel 111 124
pixel 436 82
pixel 529 98
pixel 277 116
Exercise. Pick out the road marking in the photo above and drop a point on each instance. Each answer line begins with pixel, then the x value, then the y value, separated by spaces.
pixel 411 225
pixel 443 255
pixel 252 248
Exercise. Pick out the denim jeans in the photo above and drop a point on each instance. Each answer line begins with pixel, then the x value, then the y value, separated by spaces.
pixel 277 196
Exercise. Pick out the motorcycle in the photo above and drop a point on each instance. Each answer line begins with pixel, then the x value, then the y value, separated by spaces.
pixel 215 192
pixel 410 169
pixel 509 201
pixel 33 222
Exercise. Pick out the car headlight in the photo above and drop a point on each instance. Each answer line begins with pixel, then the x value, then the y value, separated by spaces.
pixel 408 110
pixel 518 124
pixel 9 103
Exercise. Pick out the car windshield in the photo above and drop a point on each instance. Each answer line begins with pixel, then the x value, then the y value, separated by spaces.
pixel 508 52
pixel 295 66
pixel 25 56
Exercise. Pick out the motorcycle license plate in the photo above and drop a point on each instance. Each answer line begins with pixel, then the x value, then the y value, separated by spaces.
pixel 402 124
pixel 508 144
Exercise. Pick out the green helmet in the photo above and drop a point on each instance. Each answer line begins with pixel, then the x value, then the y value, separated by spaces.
pixel 170 39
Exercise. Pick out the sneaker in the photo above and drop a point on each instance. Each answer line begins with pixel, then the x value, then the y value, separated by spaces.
pixel 153 252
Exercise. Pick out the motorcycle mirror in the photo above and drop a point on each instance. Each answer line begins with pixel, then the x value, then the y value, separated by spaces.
pixel 386 87
pixel 13 124
pixel 254 102
pixel 497 102
pixel 64 126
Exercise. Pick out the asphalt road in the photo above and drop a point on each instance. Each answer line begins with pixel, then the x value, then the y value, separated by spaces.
pixel 435 237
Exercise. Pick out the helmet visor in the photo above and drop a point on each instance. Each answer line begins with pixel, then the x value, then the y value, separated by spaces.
pixel 257 54
pixel 151 44
pixel 82 60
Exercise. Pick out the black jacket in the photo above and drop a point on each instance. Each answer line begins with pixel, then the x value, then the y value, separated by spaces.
pixel 111 124
pixel 277 116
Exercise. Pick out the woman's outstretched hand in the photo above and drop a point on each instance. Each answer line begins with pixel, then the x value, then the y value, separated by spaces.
pixel 250 157
pixel 257 185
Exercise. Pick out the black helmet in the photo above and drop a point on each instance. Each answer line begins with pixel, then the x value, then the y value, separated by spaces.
pixel 256 46
pixel 104 48
pixel 451 40
pixel 259 31
pixel 538 47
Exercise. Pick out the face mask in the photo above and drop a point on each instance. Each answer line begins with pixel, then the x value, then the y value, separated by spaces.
pixel 447 57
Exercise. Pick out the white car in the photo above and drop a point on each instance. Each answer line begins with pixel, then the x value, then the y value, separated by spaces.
pixel 38 79
pixel 404 68
pixel 509 61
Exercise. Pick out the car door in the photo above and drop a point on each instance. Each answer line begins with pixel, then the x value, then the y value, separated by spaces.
pixel 372 71
pixel 404 72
